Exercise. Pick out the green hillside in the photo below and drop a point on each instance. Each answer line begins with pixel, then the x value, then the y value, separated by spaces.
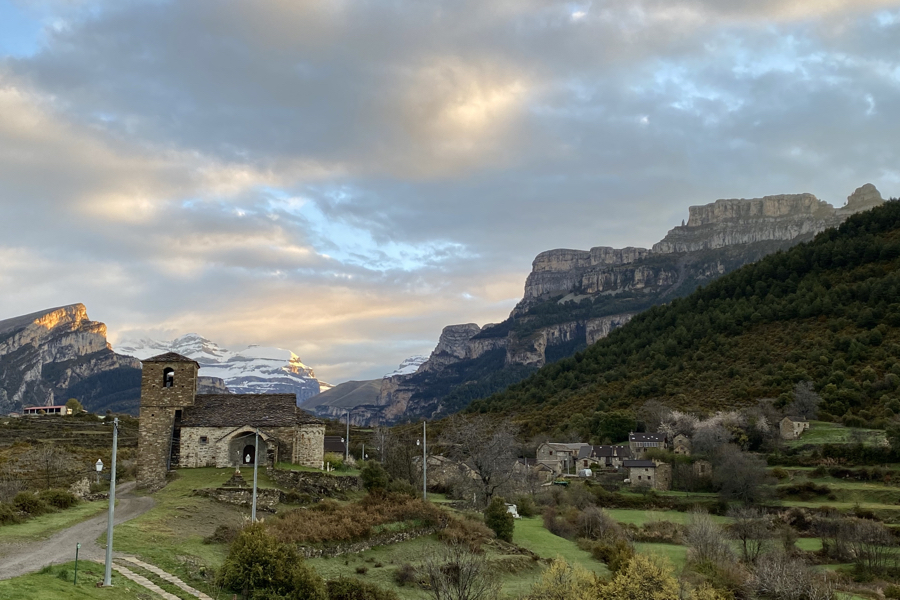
pixel 826 311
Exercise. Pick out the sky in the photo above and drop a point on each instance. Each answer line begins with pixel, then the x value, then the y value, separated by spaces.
pixel 345 178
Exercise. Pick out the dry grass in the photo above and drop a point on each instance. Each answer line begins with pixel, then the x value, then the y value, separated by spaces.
pixel 332 522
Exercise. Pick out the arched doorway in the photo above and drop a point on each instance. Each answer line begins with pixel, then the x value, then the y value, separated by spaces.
pixel 248 454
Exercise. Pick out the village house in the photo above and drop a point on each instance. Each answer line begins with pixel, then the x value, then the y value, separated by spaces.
pixel 648 473
pixel 602 457
pixel 562 458
pixel 180 428
pixel 639 443
pixel 792 427
pixel 681 444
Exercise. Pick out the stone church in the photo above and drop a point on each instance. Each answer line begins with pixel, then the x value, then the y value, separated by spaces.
pixel 180 428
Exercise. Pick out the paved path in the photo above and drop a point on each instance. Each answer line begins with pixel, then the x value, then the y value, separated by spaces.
pixel 162 574
pixel 19 559
pixel 143 581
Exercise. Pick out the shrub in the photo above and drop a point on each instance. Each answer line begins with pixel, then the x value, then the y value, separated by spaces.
pixel 642 573
pixel 362 570
pixel 561 581
pixel 8 515
pixel 499 519
pixel 224 534
pixel 526 507
pixel 406 574
pixel 468 531
pixel 374 477
pixel 295 497
pixel 615 553
pixel 557 525
pixel 779 473
pixel 354 589
pixel 329 521
pixel 401 487
pixel 31 504
pixel 61 499
pixel 892 591
pixel 258 561
pixel 336 461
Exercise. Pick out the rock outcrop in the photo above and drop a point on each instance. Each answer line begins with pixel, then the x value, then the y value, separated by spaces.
pixel 47 354
pixel 573 298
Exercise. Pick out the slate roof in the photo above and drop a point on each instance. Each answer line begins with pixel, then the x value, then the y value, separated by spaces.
pixel 631 464
pixel 238 410
pixel 170 357
pixel 333 443
pixel 646 437
pixel 604 451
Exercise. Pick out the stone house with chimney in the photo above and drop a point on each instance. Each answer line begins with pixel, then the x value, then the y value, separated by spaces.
pixel 180 428
pixel 648 473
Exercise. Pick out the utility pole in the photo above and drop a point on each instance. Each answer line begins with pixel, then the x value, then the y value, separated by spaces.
pixel 255 463
pixel 347 443
pixel 424 465
pixel 107 577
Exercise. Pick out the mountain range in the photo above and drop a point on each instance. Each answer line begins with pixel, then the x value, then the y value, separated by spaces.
pixel 573 298
pixel 823 314
pixel 252 370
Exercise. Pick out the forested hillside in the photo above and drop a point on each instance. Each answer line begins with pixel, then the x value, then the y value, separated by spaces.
pixel 825 311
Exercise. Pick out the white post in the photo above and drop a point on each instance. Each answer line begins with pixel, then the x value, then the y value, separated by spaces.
pixel 107 577
pixel 255 464
pixel 424 465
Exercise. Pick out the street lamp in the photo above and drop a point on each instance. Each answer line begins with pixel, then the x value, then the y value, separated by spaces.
pixel 99 466
pixel 424 463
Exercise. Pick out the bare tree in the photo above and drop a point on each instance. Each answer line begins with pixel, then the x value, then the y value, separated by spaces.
pixel 782 577
pixel 871 545
pixel 706 540
pixel 49 463
pixel 399 453
pixel 753 529
pixel 806 401
pixel 739 475
pixel 457 573
pixel 488 449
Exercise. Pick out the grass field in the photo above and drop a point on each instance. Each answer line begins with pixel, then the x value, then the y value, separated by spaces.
pixel 530 534
pixel 677 555
pixel 639 517
pixel 820 432
pixel 171 534
pixel 44 526
pixel 47 585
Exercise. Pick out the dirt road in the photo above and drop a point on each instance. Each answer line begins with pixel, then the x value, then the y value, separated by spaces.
pixel 22 558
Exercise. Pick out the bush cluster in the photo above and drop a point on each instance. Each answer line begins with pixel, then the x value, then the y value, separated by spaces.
pixel 329 521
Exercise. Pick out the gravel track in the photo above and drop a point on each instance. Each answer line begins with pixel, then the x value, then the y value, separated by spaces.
pixel 22 558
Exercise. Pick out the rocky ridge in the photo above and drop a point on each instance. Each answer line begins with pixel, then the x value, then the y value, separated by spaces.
pixel 573 298
pixel 47 356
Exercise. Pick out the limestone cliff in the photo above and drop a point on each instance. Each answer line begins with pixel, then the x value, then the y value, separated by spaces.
pixel 572 298
pixel 47 354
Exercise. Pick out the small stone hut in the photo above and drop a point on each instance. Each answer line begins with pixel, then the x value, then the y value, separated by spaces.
pixel 180 428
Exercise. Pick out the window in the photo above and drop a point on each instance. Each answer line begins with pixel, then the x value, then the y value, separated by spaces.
pixel 169 377
pixel 585 463
pixel 204 440
pixel 639 477
pixel 551 453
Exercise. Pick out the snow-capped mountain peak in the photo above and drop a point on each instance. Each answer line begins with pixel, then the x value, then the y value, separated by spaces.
pixel 409 366
pixel 252 370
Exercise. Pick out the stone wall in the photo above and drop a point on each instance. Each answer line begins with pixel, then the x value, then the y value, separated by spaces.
pixel 266 499
pixel 317 485
pixel 381 539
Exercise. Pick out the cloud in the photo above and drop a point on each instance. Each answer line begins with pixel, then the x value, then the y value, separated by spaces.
pixel 346 178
